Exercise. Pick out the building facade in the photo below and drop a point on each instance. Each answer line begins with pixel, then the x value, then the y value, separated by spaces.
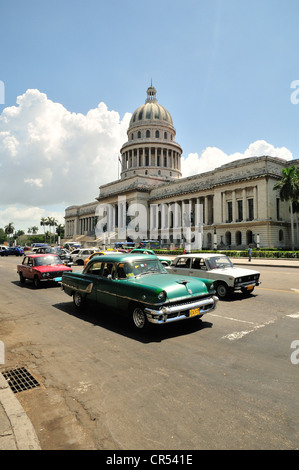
pixel 231 207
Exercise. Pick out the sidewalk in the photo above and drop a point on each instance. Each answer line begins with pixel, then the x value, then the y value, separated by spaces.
pixel 16 430
pixel 281 263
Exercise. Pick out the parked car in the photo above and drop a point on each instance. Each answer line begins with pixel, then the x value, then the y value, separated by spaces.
pixel 41 267
pixel 227 278
pixel 14 250
pixel 139 287
pixel 146 251
pixel 79 255
pixel 63 254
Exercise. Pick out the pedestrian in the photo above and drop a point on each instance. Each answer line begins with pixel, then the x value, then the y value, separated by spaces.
pixel 249 254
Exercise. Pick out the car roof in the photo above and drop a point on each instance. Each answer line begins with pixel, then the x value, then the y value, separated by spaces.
pixel 201 255
pixel 41 255
pixel 122 257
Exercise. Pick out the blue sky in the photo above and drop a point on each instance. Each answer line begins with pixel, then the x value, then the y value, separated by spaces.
pixel 222 68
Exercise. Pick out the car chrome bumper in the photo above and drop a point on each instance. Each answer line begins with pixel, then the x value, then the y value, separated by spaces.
pixel 180 312
pixel 247 284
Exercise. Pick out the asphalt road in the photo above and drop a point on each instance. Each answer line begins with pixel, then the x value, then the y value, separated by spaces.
pixel 228 382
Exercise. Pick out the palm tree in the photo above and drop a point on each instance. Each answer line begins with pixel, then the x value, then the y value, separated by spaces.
pixel 59 231
pixel 288 188
pixel 9 229
pixel 43 222
pixel 52 222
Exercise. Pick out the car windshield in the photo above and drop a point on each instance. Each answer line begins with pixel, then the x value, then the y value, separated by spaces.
pixel 140 268
pixel 47 260
pixel 218 262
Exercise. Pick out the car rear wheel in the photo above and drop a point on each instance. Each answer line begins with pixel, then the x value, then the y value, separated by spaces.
pixel 78 300
pixel 139 318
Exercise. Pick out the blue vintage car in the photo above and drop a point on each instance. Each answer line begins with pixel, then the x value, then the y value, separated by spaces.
pixel 139 287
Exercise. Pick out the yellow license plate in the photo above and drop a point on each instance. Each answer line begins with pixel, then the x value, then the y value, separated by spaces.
pixel 193 312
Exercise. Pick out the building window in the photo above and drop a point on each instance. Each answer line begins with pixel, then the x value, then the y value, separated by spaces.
pixel 240 212
pixel 139 135
pixel 250 209
pixel 249 237
pixel 148 134
pixel 238 238
pixel 230 211
pixel 157 134
pixel 228 238
pixel 278 209
pixel 165 161
pixel 280 235
pixel 132 136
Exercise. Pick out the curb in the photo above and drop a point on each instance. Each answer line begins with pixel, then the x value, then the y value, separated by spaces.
pixel 20 433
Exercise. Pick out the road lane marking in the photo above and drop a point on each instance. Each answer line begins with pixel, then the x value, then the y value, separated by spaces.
pixel 292 291
pixel 239 334
pixel 233 319
pixel 293 315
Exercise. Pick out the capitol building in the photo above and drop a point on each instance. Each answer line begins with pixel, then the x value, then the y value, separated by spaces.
pixel 230 207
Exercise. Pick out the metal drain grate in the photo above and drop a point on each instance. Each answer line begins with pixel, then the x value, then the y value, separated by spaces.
pixel 20 379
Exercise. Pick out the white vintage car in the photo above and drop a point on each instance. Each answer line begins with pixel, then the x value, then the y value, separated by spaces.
pixel 79 255
pixel 218 267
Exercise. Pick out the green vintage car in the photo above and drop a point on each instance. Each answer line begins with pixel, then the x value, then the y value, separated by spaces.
pixel 139 287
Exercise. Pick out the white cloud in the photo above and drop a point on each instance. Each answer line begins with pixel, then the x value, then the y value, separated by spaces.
pixel 49 155
pixel 213 157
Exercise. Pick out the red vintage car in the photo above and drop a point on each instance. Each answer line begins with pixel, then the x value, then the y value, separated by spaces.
pixel 41 267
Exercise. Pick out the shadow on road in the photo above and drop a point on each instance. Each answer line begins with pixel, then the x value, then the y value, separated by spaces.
pixel 120 325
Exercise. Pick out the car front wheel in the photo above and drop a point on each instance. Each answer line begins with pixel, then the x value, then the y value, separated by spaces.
pixel 139 318
pixel 246 291
pixel 222 290
pixel 36 282
pixel 22 279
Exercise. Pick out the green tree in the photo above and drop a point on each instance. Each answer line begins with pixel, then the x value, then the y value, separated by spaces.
pixel 60 231
pixel 43 222
pixel 288 188
pixel 51 222
pixel 9 229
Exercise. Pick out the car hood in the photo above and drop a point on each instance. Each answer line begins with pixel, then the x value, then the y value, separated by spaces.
pixel 175 286
pixel 235 272
pixel 48 269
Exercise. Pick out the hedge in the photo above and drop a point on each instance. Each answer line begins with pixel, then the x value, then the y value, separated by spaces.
pixel 239 254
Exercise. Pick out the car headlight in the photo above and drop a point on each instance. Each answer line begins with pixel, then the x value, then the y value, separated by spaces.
pixel 162 296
